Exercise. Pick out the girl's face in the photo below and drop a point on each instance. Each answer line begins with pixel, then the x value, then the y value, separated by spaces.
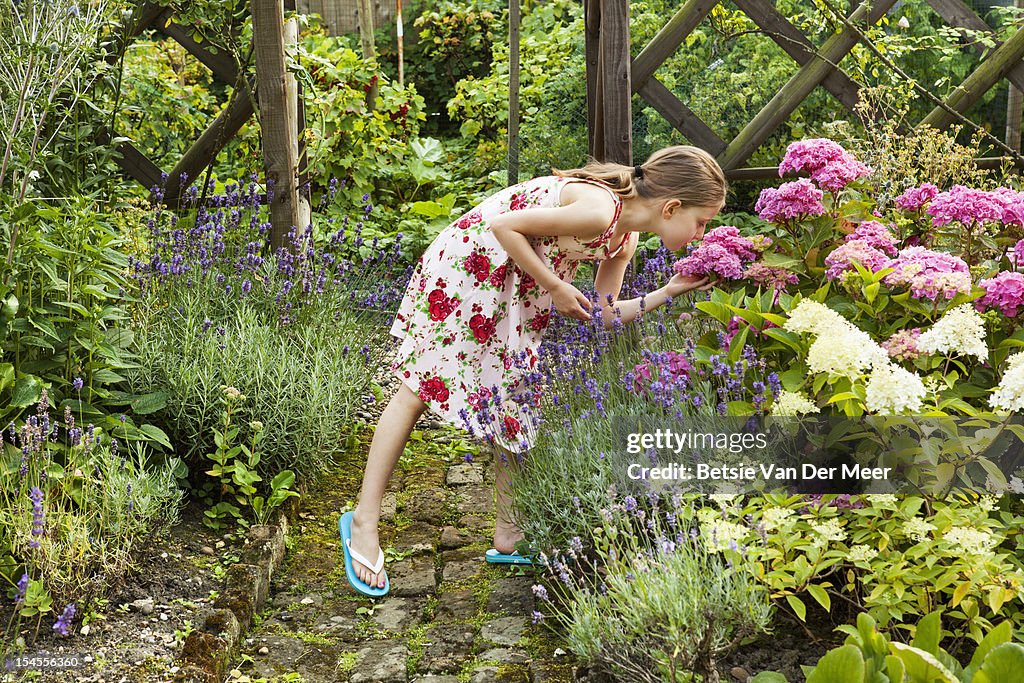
pixel 681 225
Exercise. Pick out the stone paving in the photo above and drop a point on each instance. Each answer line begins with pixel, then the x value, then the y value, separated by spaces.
pixel 449 616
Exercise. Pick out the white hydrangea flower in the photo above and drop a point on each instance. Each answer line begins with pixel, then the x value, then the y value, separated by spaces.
pixel 776 518
pixel 813 318
pixel 1009 395
pixel 971 541
pixel 1016 485
pixel 830 530
pixel 721 535
pixel 883 499
pixel 790 403
pixel 917 529
pixel 891 390
pixel 861 553
pixel 846 353
pixel 960 331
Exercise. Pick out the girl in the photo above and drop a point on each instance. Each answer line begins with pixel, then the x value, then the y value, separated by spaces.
pixel 479 301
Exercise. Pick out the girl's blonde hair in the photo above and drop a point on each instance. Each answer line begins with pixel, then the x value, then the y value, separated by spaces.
pixel 681 172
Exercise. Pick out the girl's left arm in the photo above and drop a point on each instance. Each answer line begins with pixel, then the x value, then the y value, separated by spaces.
pixel 608 283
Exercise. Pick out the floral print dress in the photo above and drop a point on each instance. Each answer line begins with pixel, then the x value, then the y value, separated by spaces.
pixel 471 321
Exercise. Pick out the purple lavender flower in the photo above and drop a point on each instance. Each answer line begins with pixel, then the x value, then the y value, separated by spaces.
pixel 64 620
pixel 38 516
pixel 77 383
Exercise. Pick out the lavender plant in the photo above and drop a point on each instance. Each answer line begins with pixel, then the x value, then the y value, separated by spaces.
pixel 72 517
pixel 300 332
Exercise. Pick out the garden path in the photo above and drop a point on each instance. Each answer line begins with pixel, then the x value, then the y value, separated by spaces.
pixel 449 617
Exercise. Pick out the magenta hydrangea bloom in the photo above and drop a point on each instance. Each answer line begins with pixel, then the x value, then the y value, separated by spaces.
pixel 1012 203
pixel 763 274
pixel 965 205
pixel 929 273
pixel 1005 291
pixel 916 197
pixel 810 155
pixel 839 261
pixel 1018 254
pixel 903 344
pixel 876 235
pixel 828 164
pixel 723 252
pixel 837 175
pixel 797 199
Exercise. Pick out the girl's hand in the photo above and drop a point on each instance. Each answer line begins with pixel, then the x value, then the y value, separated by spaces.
pixel 680 284
pixel 570 301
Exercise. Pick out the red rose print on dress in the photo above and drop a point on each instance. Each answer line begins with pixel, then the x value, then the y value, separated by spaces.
pixel 476 399
pixel 468 220
pixel 482 326
pixel 511 426
pixel 440 305
pixel 539 322
pixel 526 284
pixel 517 202
pixel 498 275
pixel 433 389
pixel 479 265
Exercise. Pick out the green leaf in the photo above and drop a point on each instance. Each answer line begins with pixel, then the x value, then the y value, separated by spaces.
pixel 146 404
pixel 1003 665
pixel 798 607
pixel 157 435
pixel 928 633
pixel 769 677
pixel 821 595
pixel 921 666
pixel 841 665
pixel 27 391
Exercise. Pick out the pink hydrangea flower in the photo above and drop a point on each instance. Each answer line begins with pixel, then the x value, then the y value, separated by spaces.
pixel 876 235
pixel 763 274
pixel 797 199
pixel 1013 205
pixel 929 273
pixel 916 197
pixel 723 252
pixel 839 261
pixel 903 344
pixel 828 164
pixel 965 205
pixel 1005 291
pixel 1018 254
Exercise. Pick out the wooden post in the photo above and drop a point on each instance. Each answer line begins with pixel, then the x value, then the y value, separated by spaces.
pixel 366 40
pixel 793 93
pixel 513 92
pixel 1014 109
pixel 400 33
pixel 609 111
pixel 988 73
pixel 277 130
pixel 291 39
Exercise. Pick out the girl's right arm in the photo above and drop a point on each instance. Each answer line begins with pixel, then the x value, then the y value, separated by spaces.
pixel 584 221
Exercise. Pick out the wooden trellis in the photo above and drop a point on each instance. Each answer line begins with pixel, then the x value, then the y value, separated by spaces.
pixel 612 77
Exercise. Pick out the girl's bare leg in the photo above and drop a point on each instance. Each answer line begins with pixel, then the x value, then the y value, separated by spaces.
pixel 506 533
pixel 389 439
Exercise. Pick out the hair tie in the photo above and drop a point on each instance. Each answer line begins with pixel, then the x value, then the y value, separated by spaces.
pixel 639 171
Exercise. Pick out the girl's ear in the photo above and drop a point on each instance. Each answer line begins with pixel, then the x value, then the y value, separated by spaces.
pixel 670 206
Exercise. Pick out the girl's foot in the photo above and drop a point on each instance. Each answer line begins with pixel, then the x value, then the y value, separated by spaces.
pixel 505 536
pixel 366 542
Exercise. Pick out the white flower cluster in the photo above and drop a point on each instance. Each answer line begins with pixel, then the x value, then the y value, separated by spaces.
pixel 960 331
pixel 776 518
pixel 1009 395
pixel 971 541
pixel 883 499
pixel 917 529
pixel 861 553
pixel 841 349
pixel 830 530
pixel 790 403
pixel 720 534
pixel 891 390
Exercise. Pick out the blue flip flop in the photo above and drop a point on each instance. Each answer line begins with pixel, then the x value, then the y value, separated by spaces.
pixel 345 527
pixel 494 557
